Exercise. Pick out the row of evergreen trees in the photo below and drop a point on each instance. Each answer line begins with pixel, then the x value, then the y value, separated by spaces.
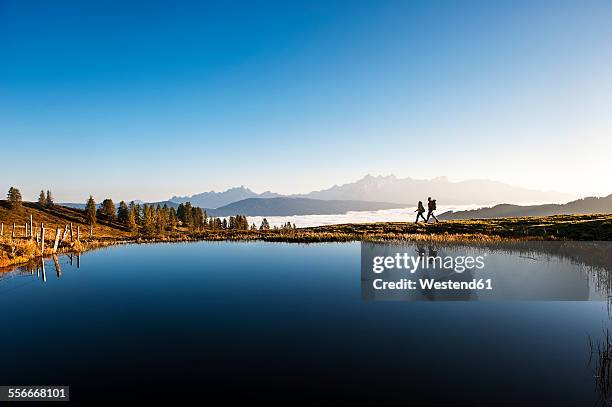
pixel 157 219
pixel 149 218
pixel 45 200
pixel 15 200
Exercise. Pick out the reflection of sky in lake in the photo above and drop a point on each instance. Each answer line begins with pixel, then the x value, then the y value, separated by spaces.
pixel 526 270
pixel 277 321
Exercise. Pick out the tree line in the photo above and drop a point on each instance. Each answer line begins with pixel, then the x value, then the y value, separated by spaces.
pixel 150 219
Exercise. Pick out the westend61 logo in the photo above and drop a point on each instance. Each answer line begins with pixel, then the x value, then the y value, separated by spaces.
pixel 404 261
pixel 416 272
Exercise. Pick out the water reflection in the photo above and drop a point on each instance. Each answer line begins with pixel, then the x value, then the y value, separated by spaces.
pixel 226 314
pixel 37 267
pixel 549 271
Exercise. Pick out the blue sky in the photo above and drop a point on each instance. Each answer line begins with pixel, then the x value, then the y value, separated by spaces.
pixel 146 100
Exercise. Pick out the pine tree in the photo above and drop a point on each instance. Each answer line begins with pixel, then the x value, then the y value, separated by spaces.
pixel 14 197
pixel 42 199
pixel 173 220
pixel 49 202
pixel 123 213
pixel 108 209
pixel 264 225
pixel 187 218
pixel 90 211
pixel 161 219
pixel 149 222
pixel 139 214
pixel 132 224
pixel 180 212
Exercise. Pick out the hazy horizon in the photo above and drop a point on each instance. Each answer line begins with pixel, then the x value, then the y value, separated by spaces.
pixel 33 195
pixel 146 102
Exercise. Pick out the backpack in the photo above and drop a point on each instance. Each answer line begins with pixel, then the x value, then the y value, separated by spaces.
pixel 433 204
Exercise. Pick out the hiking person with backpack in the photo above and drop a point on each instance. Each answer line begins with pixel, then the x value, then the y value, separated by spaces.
pixel 431 207
pixel 420 211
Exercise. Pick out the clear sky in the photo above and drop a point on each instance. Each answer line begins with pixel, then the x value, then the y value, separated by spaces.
pixel 152 99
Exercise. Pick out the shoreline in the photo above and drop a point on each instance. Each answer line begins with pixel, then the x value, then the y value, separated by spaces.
pixel 20 251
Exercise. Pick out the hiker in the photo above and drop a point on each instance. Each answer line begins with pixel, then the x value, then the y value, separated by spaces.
pixel 420 211
pixel 431 207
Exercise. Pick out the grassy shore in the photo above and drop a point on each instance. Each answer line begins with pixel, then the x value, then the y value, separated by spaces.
pixel 19 250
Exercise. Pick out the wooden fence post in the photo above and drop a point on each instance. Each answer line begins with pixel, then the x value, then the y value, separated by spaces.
pixel 31 227
pixel 42 239
pixel 65 233
pixel 78 233
pixel 26 230
pixel 2 229
pixel 57 238
pixel 90 231
pixel 58 270
pixel 13 232
pixel 71 233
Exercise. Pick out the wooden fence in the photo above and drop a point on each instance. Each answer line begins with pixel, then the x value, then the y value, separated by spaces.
pixel 29 230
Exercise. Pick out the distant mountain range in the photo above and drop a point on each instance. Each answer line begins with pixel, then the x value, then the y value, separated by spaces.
pixel 410 191
pixel 382 192
pixel 406 191
pixel 585 206
pixel 214 199
pixel 297 206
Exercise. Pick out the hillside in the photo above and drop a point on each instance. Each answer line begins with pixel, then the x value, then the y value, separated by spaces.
pixel 297 206
pixel 585 206
pixel 57 216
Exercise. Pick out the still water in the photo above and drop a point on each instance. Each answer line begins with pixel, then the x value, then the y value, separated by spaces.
pixel 283 323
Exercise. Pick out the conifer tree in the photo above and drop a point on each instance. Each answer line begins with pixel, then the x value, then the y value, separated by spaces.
pixel 90 211
pixel 14 197
pixel 42 199
pixel 264 225
pixel 132 224
pixel 108 209
pixel 49 201
pixel 180 213
pixel 173 220
pixel 187 218
pixel 160 215
pixel 148 219
pixel 139 214
pixel 123 213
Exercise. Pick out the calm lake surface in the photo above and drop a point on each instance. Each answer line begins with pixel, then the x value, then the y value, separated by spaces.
pixel 284 323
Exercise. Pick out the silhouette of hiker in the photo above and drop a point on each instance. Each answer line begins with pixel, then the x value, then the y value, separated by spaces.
pixel 431 207
pixel 420 211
